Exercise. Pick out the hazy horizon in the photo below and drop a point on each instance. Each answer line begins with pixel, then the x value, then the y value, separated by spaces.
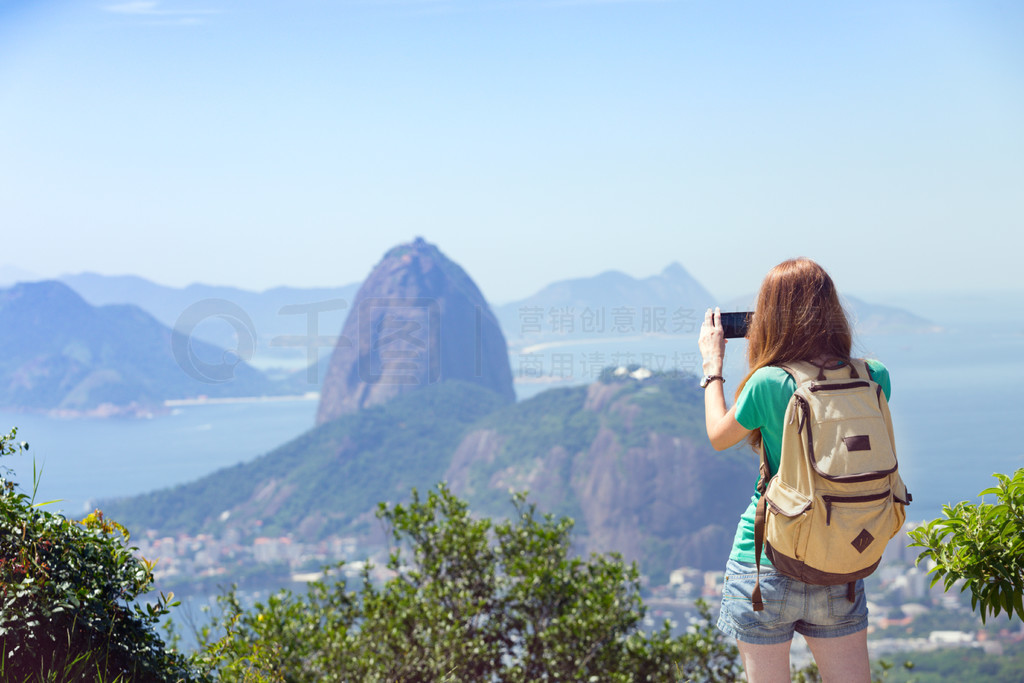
pixel 942 306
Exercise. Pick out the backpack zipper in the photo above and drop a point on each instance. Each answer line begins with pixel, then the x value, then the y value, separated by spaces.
pixel 849 499
pixel 814 386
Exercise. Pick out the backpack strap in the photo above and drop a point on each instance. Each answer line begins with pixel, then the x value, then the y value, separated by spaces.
pixel 805 371
pixel 802 371
pixel 759 521
pixel 858 366
pixel 799 373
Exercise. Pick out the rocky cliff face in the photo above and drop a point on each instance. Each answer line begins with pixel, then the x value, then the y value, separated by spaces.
pixel 628 460
pixel 418 319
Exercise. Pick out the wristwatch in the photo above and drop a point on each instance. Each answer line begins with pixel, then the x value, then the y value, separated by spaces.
pixel 708 379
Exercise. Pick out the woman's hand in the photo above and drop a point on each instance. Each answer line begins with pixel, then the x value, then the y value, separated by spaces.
pixel 723 429
pixel 712 342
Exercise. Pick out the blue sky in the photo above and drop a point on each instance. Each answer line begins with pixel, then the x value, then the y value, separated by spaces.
pixel 259 143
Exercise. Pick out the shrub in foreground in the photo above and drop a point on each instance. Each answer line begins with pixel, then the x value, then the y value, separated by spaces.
pixel 467 600
pixel 69 592
pixel 981 545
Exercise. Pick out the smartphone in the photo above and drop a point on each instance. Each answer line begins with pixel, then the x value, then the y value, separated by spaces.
pixel 736 324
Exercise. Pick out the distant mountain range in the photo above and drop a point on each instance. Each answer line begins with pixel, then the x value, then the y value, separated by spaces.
pixel 61 355
pixel 613 304
pixel 878 319
pixel 283 330
pixel 610 303
pixel 282 319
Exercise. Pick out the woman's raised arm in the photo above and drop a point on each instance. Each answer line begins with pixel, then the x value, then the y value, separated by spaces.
pixel 723 429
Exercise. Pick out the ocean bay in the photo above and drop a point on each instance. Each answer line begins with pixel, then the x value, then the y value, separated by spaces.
pixel 85 460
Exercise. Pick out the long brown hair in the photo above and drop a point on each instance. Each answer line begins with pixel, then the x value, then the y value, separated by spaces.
pixel 797 316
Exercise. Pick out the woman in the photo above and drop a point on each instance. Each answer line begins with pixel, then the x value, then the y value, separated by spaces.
pixel 798 317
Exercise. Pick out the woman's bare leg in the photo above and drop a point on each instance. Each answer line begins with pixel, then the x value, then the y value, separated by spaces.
pixel 843 659
pixel 766 663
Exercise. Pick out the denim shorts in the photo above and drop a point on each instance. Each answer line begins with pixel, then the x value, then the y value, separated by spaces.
pixel 789 605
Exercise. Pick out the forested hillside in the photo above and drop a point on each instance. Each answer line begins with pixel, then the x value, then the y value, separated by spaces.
pixel 625 457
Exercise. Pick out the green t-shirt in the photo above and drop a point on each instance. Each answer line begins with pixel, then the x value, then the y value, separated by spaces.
pixel 762 405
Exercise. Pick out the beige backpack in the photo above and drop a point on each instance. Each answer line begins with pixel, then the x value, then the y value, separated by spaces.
pixel 837 498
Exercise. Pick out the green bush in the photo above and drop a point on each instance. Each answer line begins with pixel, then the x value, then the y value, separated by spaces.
pixel 983 546
pixel 68 597
pixel 467 600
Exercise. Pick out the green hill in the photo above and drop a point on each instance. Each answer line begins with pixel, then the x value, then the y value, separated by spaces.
pixel 626 458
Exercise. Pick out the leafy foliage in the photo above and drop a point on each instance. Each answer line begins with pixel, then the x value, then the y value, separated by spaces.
pixel 68 593
pixel 982 545
pixel 467 600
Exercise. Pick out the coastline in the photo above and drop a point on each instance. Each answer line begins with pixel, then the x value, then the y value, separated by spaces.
pixel 207 400
pixel 147 411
